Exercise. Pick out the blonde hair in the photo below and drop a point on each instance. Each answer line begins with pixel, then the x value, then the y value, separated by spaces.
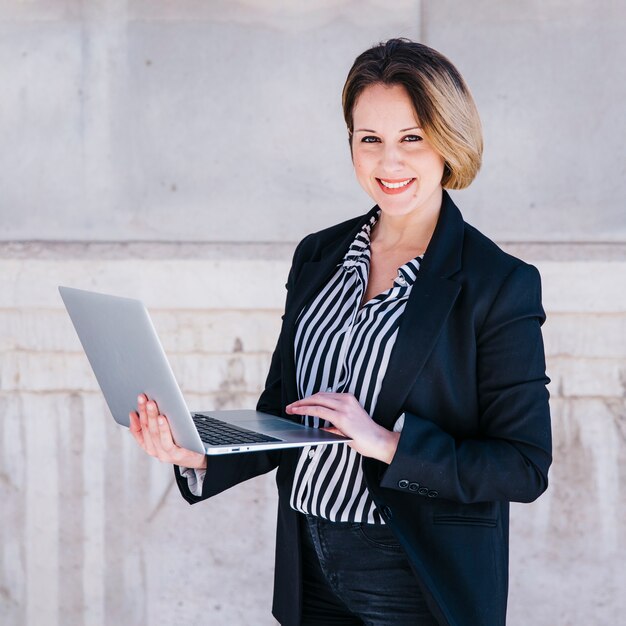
pixel 442 101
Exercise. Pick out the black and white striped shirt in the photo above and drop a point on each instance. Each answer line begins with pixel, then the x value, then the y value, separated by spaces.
pixel 340 348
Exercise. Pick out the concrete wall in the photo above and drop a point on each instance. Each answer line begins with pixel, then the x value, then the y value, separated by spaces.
pixel 124 123
pixel 146 120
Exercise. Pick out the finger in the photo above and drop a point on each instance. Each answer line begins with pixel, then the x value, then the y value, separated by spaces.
pixel 156 406
pixel 144 403
pixel 145 427
pixel 165 435
pixel 326 400
pixel 316 410
pixel 134 423
pixel 153 425
pixel 141 409
pixel 326 396
pixel 135 428
pixel 332 429
pixel 154 421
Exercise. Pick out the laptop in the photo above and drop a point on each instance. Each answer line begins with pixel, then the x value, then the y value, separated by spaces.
pixel 127 358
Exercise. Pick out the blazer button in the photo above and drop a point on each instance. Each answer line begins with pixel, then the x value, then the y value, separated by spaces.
pixel 422 491
pixel 414 486
pixel 403 484
pixel 386 512
pixel 433 494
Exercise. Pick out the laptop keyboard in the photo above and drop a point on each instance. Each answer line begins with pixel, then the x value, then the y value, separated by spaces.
pixel 218 433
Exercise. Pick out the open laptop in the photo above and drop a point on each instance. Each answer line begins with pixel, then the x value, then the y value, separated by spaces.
pixel 127 358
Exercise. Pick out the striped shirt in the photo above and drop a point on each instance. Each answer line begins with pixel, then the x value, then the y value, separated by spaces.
pixel 340 347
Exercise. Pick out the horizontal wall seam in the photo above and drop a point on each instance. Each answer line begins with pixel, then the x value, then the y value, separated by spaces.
pixel 166 250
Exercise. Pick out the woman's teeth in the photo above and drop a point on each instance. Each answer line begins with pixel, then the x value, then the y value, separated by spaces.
pixel 395 185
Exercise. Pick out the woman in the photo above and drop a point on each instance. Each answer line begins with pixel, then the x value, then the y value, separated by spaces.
pixel 412 333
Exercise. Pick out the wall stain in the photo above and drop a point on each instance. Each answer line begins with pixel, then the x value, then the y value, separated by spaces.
pixel 233 386
pixel 617 409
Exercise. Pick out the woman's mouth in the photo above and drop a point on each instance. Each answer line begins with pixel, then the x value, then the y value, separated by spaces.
pixel 390 186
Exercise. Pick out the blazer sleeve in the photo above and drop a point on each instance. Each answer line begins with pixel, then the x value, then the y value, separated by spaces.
pixel 225 471
pixel 510 457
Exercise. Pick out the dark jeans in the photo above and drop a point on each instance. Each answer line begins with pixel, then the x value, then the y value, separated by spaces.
pixel 356 574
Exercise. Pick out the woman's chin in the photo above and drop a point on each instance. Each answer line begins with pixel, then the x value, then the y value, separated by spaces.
pixel 397 208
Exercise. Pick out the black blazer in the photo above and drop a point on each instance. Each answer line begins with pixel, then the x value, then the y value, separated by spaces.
pixel 468 369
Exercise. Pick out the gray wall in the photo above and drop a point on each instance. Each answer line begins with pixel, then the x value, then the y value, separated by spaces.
pixel 168 150
pixel 147 120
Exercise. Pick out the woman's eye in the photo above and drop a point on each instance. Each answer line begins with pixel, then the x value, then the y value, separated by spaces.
pixel 372 139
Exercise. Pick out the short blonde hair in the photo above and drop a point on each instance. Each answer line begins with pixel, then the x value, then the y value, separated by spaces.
pixel 442 101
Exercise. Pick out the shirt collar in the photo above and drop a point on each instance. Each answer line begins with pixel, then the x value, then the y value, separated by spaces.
pixel 359 250
pixel 407 273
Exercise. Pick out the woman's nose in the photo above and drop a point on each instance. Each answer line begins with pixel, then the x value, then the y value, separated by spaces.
pixel 391 158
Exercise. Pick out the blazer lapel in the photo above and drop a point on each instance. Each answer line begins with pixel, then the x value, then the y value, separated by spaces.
pixel 432 296
pixel 311 277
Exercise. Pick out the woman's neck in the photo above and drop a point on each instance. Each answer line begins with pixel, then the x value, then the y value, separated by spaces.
pixel 411 231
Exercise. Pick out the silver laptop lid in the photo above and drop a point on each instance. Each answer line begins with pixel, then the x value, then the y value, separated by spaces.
pixel 107 326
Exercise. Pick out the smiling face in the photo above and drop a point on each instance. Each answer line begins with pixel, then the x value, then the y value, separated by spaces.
pixel 393 161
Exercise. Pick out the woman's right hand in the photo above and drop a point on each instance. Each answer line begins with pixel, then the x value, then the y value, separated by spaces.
pixel 152 432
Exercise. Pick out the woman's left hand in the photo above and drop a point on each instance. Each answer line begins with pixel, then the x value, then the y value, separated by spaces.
pixel 349 418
